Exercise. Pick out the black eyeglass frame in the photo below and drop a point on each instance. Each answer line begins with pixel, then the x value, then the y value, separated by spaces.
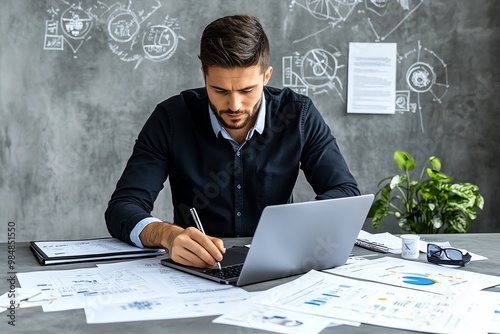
pixel 437 259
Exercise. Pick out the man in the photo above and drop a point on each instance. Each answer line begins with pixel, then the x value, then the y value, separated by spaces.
pixel 229 150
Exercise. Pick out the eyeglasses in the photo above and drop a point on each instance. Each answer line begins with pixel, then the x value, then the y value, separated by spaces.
pixel 448 256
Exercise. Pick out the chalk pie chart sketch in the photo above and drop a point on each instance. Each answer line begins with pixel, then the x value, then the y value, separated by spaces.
pixel 425 75
pixel 334 10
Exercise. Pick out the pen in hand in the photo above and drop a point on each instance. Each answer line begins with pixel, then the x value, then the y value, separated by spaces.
pixel 197 220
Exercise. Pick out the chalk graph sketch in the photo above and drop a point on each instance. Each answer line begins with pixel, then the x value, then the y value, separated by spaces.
pixel 317 71
pixel 425 74
pixel 133 35
pixel 379 14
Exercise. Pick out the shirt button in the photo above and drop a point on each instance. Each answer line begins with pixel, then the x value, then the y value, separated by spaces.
pixel 238 153
pixel 238 186
pixel 238 214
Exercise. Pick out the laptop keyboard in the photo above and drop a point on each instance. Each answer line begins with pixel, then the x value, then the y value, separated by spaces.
pixel 226 272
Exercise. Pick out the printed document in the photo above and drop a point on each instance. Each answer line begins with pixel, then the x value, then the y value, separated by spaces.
pixel 371 82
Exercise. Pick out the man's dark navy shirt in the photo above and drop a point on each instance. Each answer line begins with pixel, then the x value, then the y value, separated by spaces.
pixel 229 187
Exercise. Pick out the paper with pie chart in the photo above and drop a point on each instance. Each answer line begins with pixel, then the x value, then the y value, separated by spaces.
pixel 417 275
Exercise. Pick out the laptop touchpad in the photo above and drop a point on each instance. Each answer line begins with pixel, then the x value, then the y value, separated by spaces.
pixel 234 255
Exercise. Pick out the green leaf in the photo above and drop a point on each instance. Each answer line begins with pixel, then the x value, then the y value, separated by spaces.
pixel 376 206
pixel 385 194
pixel 460 205
pixel 458 223
pixel 470 213
pixel 438 176
pixel 432 190
pixel 377 215
pixel 435 163
pixel 468 192
pixel 479 201
pixel 464 190
pixel 437 222
pixel 396 181
pixel 404 160
pixel 427 192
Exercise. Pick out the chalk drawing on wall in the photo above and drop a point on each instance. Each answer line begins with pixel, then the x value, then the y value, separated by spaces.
pixel 133 35
pixel 123 25
pixel 403 103
pixel 332 11
pixel 425 73
pixel 76 22
pixel 315 72
pixel 70 27
pixel 159 42
pixel 53 41
pixel 379 14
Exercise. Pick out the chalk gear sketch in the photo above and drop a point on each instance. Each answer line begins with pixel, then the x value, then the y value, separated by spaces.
pixel 426 74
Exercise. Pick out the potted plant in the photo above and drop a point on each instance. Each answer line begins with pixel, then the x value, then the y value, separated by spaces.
pixel 429 204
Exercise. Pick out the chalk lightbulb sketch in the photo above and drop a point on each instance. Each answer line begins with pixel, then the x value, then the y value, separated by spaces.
pixel 133 34
pixel 425 74
pixel 316 71
pixel 379 13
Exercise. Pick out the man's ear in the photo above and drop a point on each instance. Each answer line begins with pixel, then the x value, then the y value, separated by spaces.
pixel 267 75
pixel 203 74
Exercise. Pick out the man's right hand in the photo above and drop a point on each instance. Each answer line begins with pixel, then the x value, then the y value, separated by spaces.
pixel 186 246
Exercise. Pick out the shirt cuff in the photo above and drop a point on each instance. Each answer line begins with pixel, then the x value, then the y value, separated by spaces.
pixel 134 235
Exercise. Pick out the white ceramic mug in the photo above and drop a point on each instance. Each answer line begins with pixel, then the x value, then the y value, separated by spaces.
pixel 410 248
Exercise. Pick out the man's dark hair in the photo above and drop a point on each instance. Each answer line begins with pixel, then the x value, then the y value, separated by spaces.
pixel 234 41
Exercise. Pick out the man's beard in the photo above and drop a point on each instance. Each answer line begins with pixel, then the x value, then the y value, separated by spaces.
pixel 239 124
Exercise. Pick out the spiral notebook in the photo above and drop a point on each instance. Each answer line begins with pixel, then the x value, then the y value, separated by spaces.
pixel 380 242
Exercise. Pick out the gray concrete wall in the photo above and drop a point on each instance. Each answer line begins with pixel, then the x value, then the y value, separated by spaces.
pixel 77 84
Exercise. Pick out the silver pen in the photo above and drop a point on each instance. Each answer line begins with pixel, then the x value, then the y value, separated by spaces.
pixel 197 220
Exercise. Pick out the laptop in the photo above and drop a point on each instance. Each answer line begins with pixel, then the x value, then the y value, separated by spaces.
pixel 292 239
